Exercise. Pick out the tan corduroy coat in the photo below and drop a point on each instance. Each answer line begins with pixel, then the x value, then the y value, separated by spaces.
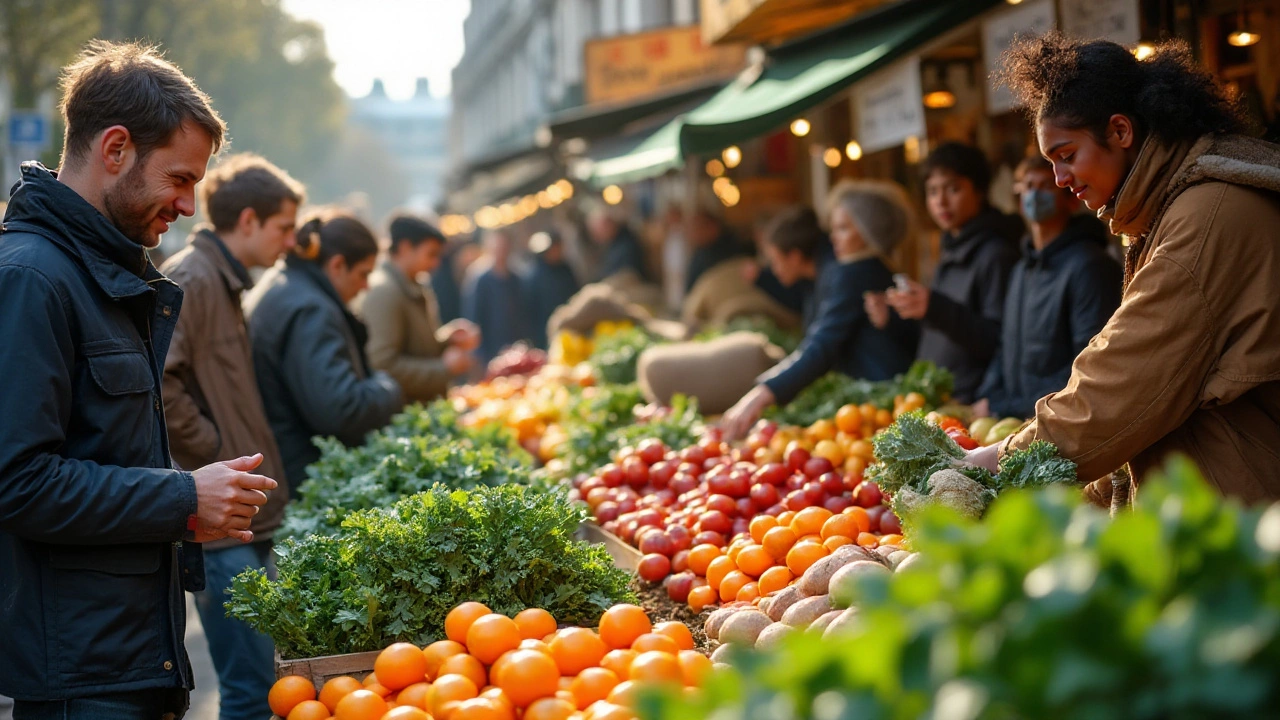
pixel 1190 362
pixel 404 333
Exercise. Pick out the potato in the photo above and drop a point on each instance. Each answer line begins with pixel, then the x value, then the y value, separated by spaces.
pixel 858 553
pixel 715 621
pixel 885 551
pixel 820 625
pixel 908 562
pixel 896 558
pixel 722 652
pixel 815 579
pixel 841 624
pixel 783 601
pixel 772 636
pixel 765 602
pixel 843 582
pixel 744 627
pixel 802 614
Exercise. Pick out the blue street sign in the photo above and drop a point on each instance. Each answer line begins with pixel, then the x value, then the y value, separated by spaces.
pixel 28 127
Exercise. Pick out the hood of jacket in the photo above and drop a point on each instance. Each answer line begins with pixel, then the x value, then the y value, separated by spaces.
pixel 990 222
pixel 1081 229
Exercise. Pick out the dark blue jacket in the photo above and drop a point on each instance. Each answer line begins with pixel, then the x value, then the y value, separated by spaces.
pixel 624 252
pixel 496 305
pixel 1059 298
pixel 444 283
pixel 91 509
pixel 841 336
pixel 546 288
pixel 962 326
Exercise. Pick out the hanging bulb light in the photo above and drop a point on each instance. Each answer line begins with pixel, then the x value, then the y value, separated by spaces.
pixel 715 168
pixel 853 150
pixel 1242 37
pixel 1144 50
pixel 732 155
pixel 937 94
pixel 612 194
pixel 831 157
pixel 800 127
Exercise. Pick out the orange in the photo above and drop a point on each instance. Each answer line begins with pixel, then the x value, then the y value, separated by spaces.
pixel 815 538
pixel 778 541
pixel 491 635
pixel 288 692
pixel 622 624
pixel 677 631
pixel 592 685
pixel 830 450
pixel 701 556
pixel 549 709
pixel 694 667
pixel 576 649
pixel 361 705
pixel 459 619
pixel 655 641
pixel 609 711
pixel 415 695
pixel 754 560
pixel 566 696
pixel 734 548
pixel 822 430
pixel 868 540
pixel 775 579
pixel 700 597
pixel 406 712
pixel 718 569
pixel 891 539
pixel 400 665
pixel 803 555
pixel 760 525
pixel 809 521
pixel 842 524
pixel 566 681
pixel 836 541
pixel 748 593
pixel 535 623
pixel 479 708
pixel 656 667
pixel 309 710
pixel 884 418
pixel 501 698
pixel 619 661
pixel 861 517
pixel 539 645
pixel 785 518
pixel 848 419
pixel 624 694
pixel 732 583
pixel 447 689
pixel 436 653
pixel 468 666
pixel 527 676
pixel 336 689
pixel 863 450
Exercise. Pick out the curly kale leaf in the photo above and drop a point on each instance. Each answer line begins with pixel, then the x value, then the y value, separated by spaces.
pixel 913 449
pixel 1039 464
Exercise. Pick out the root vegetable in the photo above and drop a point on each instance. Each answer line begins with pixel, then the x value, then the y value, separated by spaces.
pixel 843 583
pixel 815 579
pixel 842 624
pixel 820 625
pixel 802 614
pixel 772 636
pixel 910 561
pixel 715 622
pixel 721 653
pixel 783 602
pixel 744 627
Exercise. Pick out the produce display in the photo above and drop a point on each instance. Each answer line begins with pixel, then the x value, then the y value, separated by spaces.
pixel 493 666
pixel 392 574
pixel 519 359
pixel 615 354
pixel 832 391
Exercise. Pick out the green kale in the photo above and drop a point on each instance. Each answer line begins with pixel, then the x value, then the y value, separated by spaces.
pixel 829 393
pixel 911 450
pixel 1039 464
pixel 615 356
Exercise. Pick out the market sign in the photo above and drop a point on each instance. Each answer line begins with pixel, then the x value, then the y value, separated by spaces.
pixel 888 106
pixel 1114 20
pixel 627 67
pixel 1029 18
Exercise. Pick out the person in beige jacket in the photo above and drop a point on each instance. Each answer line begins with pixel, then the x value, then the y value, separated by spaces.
pixel 212 407
pixel 406 340
pixel 1190 362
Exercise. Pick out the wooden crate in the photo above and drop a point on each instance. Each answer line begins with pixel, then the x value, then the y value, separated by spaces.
pixel 624 556
pixel 321 669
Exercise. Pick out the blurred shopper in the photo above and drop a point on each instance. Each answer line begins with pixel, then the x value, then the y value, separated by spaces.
pixel 494 297
pixel 1061 294
pixel 1190 362
pixel 868 220
pixel 308 349
pixel 252 206
pixel 961 311
pixel 793 297
pixel 622 249
pixel 96 525
pixel 406 339
pixel 549 285
pixel 711 240
pixel 675 257
pixel 446 279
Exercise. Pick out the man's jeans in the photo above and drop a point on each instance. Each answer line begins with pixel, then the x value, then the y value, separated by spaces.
pixel 138 705
pixel 243 657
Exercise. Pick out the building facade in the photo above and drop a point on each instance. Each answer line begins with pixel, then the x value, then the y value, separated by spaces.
pixel 415 133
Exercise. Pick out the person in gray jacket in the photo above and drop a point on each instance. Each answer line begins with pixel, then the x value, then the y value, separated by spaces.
pixel 308 349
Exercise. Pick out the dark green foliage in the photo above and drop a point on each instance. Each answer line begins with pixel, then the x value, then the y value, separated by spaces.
pixel 615 356
pixel 829 393
pixel 606 419
pixel 392 574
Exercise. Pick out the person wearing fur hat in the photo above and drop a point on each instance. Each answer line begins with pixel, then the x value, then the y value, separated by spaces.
pixel 868 220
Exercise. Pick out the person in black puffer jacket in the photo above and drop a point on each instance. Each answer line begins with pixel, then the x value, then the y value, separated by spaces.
pixel 961 312
pixel 1061 294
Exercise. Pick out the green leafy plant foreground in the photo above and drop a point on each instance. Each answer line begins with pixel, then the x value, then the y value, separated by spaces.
pixel 391 575
pixel 1045 609
pixel 827 394
pixel 615 356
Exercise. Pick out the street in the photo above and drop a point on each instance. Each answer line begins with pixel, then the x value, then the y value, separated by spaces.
pixel 204 701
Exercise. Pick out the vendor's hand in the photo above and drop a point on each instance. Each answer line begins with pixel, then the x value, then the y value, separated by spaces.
pixel 462 334
pixel 982 408
pixel 750 271
pixel 912 303
pixel 228 496
pixel 457 361
pixel 739 418
pixel 877 307
pixel 984 457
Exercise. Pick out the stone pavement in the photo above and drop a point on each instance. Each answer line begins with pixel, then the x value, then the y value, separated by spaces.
pixel 204 701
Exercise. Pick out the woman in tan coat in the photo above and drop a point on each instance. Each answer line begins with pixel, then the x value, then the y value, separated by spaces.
pixel 1190 362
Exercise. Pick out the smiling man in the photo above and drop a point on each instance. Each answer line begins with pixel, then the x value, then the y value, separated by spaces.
pixel 98 530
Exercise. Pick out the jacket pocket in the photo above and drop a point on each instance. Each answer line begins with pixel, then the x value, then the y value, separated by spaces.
pixel 109 608
pixel 118 367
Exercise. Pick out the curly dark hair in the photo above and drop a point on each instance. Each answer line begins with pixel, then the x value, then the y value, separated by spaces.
pixel 1081 83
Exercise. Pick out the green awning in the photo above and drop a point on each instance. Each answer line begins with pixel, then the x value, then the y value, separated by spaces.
pixel 796 77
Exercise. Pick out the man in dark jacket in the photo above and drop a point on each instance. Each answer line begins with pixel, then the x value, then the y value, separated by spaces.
pixel 98 531
pixel 622 249
pixel 712 243
pixel 961 312
pixel 252 206
pixel 1061 294
pixel 549 285
pixel 494 298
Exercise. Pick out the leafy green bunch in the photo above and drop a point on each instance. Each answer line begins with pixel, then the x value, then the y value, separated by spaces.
pixel 832 391
pixel 615 356
pixel 1046 608
pixel 605 420
pixel 392 574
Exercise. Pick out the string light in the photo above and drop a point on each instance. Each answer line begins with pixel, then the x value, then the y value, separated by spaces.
pixel 853 150
pixel 831 157
pixel 732 155
pixel 612 194
pixel 800 127
pixel 715 168
pixel 1144 50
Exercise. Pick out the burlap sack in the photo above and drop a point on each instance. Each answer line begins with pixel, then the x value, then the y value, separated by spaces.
pixel 592 305
pixel 717 373
pixel 723 293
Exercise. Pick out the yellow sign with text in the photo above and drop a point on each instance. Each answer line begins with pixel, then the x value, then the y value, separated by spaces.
pixel 627 67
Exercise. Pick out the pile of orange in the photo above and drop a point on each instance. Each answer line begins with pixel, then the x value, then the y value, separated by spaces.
pixel 493 667
pixel 778 552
